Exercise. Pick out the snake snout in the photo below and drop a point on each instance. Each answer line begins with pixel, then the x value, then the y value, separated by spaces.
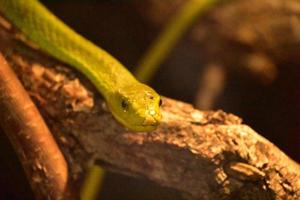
pixel 150 121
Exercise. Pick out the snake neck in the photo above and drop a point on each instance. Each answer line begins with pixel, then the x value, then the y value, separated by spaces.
pixel 60 41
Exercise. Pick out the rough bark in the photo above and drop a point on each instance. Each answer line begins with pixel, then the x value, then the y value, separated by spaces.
pixel 205 155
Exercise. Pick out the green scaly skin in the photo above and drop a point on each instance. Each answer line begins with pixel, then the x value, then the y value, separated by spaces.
pixel 132 103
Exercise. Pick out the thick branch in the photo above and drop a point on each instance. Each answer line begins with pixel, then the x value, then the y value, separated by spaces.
pixel 205 155
pixel 40 156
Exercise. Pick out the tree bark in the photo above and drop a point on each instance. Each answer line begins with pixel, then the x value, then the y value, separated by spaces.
pixel 204 155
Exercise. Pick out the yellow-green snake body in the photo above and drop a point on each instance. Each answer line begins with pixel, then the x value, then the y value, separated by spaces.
pixel 132 103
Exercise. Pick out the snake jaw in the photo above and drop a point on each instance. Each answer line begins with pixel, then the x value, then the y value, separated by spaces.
pixel 150 121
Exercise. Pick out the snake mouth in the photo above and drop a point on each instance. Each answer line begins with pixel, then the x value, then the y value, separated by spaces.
pixel 150 121
pixel 149 124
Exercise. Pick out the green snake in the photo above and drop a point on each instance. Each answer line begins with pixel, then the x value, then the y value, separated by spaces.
pixel 133 104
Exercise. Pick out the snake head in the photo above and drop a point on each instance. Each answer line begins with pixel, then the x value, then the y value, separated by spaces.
pixel 136 106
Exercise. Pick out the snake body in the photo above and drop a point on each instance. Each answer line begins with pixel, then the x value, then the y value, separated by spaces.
pixel 132 103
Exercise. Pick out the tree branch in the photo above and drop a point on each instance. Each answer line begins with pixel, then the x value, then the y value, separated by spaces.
pixel 205 155
pixel 44 164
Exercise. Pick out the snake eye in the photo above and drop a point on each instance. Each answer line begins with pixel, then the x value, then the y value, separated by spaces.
pixel 124 104
pixel 160 102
